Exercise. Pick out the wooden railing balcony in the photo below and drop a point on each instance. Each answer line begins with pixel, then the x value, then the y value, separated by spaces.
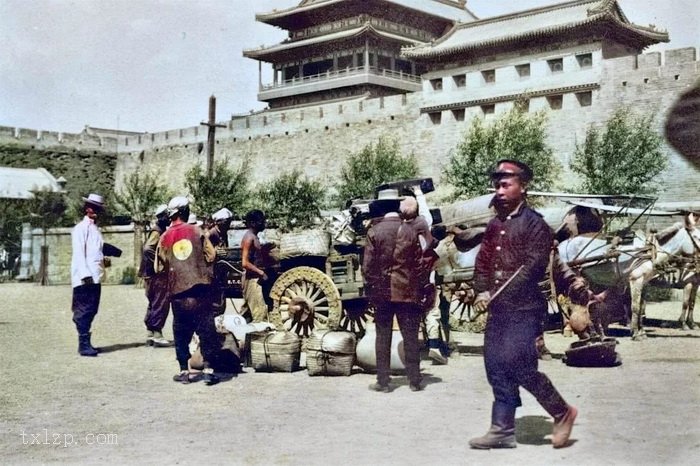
pixel 342 73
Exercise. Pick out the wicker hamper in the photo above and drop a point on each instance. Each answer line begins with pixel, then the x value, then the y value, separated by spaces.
pixel 330 353
pixel 274 351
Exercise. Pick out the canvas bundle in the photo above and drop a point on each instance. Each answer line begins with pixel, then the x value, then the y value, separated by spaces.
pixel 274 351
pixel 330 353
pixel 305 243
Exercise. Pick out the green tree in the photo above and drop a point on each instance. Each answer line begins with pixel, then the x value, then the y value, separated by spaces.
pixel 374 165
pixel 623 158
pixel 515 135
pixel 140 195
pixel 228 187
pixel 13 212
pixel 46 210
pixel 291 200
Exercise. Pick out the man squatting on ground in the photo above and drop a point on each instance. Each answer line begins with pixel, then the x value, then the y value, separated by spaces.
pixel 512 261
pixel 186 255
pixel 87 271
pixel 156 284
pixel 394 285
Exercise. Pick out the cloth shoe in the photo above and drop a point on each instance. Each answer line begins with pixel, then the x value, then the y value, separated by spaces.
pixel 149 338
pixel 159 341
pixel 437 357
pixel 377 387
pixel 84 346
pixel 562 428
pixel 501 434
pixel 183 377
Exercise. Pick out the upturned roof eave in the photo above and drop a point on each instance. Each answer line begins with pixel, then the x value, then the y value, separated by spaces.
pixel 282 18
pixel 262 53
pixel 645 36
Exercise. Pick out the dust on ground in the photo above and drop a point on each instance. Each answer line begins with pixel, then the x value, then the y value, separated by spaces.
pixel 123 408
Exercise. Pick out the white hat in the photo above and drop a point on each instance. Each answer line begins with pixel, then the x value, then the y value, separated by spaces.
pixel 222 214
pixel 192 220
pixel 161 209
pixel 389 194
pixel 96 200
pixel 177 203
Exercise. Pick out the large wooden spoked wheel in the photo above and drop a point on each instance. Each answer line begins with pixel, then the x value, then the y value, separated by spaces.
pixel 356 315
pixel 304 298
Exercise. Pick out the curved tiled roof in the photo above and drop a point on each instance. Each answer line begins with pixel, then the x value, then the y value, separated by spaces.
pixel 445 9
pixel 533 24
pixel 18 183
pixel 262 52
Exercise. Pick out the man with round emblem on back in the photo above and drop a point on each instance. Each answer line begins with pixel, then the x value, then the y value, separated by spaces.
pixel 186 255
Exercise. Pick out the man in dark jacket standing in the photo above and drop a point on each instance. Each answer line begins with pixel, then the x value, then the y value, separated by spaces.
pixel 186 256
pixel 393 283
pixel 156 284
pixel 512 261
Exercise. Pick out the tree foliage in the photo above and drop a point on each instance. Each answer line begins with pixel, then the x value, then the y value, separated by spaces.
pixel 374 165
pixel 623 158
pixel 13 212
pixel 291 200
pixel 46 209
pixel 227 187
pixel 140 195
pixel 515 135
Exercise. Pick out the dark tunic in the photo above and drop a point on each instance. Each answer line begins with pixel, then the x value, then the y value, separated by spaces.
pixel 516 314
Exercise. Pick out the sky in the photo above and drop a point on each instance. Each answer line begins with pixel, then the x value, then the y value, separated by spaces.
pixel 151 65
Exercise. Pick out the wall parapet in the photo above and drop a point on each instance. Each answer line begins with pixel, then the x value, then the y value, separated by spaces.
pixel 41 139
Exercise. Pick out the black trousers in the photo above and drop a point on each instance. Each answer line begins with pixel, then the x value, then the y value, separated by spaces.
pixel 192 312
pixel 86 301
pixel 158 302
pixel 409 317
pixel 510 357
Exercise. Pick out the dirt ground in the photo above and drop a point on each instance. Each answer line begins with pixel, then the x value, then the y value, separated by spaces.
pixel 122 407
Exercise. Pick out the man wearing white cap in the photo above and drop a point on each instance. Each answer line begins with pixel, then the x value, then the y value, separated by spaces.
pixel 186 256
pixel 218 234
pixel 156 284
pixel 87 271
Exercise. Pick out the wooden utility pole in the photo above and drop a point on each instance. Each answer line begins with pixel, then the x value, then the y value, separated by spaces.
pixel 211 138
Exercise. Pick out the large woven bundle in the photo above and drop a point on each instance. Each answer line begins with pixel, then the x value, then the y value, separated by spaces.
pixel 274 351
pixel 304 243
pixel 330 353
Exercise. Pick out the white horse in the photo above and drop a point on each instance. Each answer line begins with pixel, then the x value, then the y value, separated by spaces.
pixel 611 263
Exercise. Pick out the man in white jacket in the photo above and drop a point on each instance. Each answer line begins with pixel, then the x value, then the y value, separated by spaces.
pixel 87 272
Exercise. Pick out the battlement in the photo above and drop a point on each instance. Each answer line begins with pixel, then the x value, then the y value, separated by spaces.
pixel 40 139
pixel 339 114
pixel 676 64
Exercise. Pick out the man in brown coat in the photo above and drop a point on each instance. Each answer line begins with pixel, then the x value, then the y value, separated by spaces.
pixel 156 284
pixel 186 256
pixel 393 283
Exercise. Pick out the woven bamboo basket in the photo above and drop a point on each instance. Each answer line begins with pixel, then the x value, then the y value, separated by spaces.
pixel 274 351
pixel 330 353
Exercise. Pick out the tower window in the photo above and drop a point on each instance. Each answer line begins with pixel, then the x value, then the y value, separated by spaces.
pixel 489 76
pixel 523 70
pixel 556 65
pixel 585 60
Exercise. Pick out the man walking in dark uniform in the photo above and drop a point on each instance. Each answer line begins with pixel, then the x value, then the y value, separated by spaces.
pixel 512 261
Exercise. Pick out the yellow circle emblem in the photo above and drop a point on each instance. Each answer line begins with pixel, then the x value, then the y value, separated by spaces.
pixel 182 249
